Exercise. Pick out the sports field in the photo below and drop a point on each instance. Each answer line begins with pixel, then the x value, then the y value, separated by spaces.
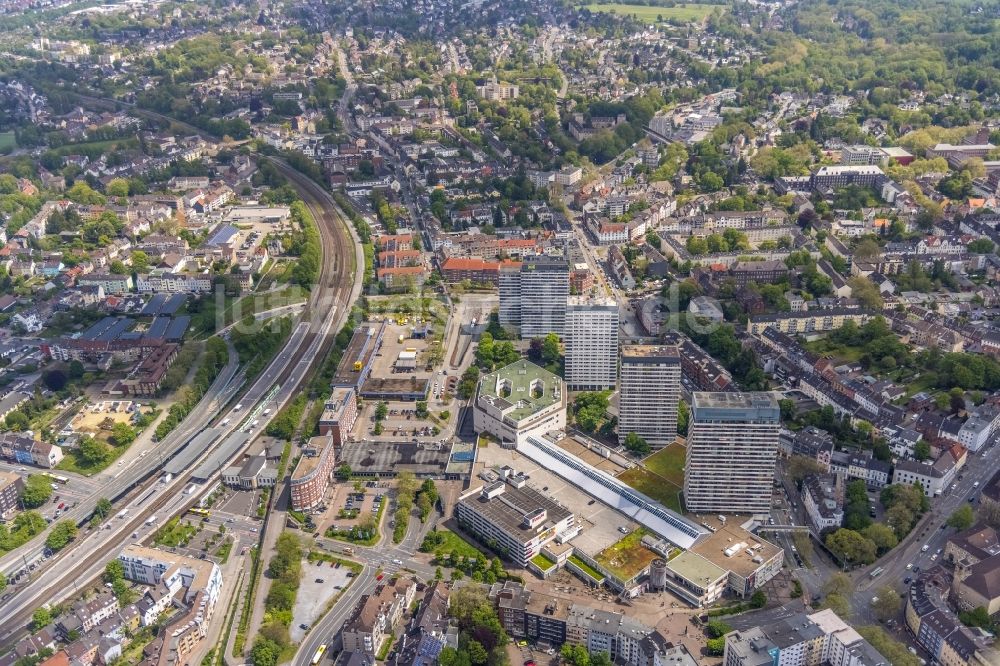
pixel 689 12
pixel 661 476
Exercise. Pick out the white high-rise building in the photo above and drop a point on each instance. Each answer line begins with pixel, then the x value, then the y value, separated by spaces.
pixel 591 343
pixel 533 297
pixel 732 449
pixel 649 393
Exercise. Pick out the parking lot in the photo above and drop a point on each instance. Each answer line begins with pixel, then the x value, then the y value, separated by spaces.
pixel 346 508
pixel 600 524
pixel 320 581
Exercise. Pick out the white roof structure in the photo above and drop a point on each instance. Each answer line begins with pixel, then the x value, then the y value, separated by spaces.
pixel 641 508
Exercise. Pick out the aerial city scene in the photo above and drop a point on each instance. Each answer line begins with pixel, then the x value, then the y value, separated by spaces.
pixel 499 333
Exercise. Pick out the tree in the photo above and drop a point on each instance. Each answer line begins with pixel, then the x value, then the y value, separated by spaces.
pixel 851 546
pixel 758 599
pixel 839 583
pixel 922 450
pixel 117 187
pixel 888 603
pixel 344 472
pixel 265 652
pixel 636 444
pixel 962 518
pixel 17 421
pixel 93 451
pixel 683 416
pixel 103 507
pixel 40 618
pixel 900 519
pixel 882 536
pixel 799 467
pixel 839 604
pixel 55 380
pixel 590 408
pixel 123 434
pixel 61 534
pixel 37 491
pixel 866 292
pixel 381 411
pixel 867 249
pixel 140 261
pixel 551 351
pixel 981 246
pixel 576 655
pixel 114 570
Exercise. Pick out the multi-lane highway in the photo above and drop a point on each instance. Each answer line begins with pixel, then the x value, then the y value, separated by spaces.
pixel 329 305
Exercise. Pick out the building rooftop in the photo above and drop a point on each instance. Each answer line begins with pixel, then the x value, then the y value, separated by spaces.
pixel 757 406
pixel 658 353
pixel 522 387
pixel 508 508
pixel 714 546
pixel 421 458
pixel 696 568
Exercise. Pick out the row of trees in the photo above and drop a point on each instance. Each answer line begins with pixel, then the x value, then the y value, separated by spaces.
pixel 862 540
pixel 284 570
pixel 215 357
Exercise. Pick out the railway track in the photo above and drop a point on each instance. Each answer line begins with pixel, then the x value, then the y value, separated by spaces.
pixel 330 301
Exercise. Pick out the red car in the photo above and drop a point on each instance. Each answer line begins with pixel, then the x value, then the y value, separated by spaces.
pixel 61 505
pixel 379 577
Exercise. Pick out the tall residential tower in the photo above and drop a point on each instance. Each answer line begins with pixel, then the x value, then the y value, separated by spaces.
pixel 591 343
pixel 732 449
pixel 533 297
pixel 649 393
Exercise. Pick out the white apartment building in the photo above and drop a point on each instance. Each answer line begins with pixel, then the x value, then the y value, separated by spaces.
pixel 533 297
pixel 649 393
pixel 169 283
pixel 591 343
pixel 732 450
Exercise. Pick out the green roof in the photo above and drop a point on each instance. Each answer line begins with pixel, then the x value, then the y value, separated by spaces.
pixel 524 386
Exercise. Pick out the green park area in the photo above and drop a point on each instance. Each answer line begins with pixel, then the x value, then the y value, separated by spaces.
pixel 651 14
pixel 660 476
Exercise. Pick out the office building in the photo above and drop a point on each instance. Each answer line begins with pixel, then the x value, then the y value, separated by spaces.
pixel 649 393
pixel 517 519
pixel 731 453
pixel 533 296
pixel 591 343
pixel 311 475
pixel 519 400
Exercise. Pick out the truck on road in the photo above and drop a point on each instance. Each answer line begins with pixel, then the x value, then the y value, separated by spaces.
pixel 151 520
pixel 122 513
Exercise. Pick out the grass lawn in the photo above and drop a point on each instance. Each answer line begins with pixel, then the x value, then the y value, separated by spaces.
pixel 839 353
pixel 652 14
pixel 543 562
pixel 73 462
pixel 668 463
pixel 664 492
pixel 662 478
pixel 7 141
pixel 628 557
pixel 594 573
pixel 453 543
pixel 175 533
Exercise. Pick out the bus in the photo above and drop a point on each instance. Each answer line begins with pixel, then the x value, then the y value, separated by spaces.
pixel 318 655
pixel 57 478
pixel 199 512
pixel 876 573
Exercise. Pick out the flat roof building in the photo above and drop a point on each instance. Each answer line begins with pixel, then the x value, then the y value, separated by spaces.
pixel 11 486
pixel 519 400
pixel 533 295
pixel 591 343
pixel 311 475
pixel 649 393
pixel 516 521
pixel 340 413
pixel 732 450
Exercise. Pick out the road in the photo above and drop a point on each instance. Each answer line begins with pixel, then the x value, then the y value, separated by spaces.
pixel 132 472
pixel 382 558
pixel 330 303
